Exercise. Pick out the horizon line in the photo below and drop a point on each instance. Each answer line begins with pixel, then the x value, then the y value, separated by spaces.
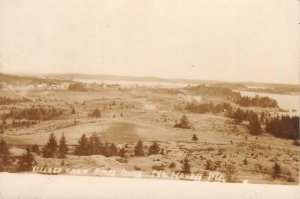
pixel 157 77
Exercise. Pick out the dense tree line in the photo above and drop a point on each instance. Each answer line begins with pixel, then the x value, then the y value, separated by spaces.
pixel 168 91
pixel 218 91
pixel 154 148
pixel 257 100
pixel 240 115
pixel 280 126
pixel 19 123
pixel 277 89
pixel 252 117
pixel 25 80
pixel 284 127
pixel 196 107
pixel 15 123
pixel 34 113
pixel 93 146
pixel 8 101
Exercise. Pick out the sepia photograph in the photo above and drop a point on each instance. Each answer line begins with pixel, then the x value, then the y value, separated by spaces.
pixel 165 91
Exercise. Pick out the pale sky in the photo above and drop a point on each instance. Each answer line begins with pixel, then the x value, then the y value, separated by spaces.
pixel 230 40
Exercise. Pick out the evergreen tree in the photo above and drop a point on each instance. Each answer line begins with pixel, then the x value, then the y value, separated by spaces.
pixel 186 166
pixel 95 145
pixel 154 148
pixel 284 127
pixel 238 116
pixel 1 129
pixel 105 149
pixel 83 146
pixel 113 150
pixel 262 117
pixel 230 172
pixel 26 161
pixel 254 126
pixel 96 113
pixel 73 110
pixel 172 165
pixel 184 123
pixel 50 149
pixel 122 152
pixel 35 149
pixel 195 138
pixel 3 121
pixel 138 149
pixel 210 165
pixel 4 152
pixel 62 148
pixel 276 170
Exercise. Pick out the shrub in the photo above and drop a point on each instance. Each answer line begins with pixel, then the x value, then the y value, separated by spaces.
pixel 296 142
pixel 184 123
pixel 77 87
pixel 186 166
pixel 221 151
pixel 96 113
pixel 195 138
pixel 210 165
pixel 172 165
pixel 210 149
pixel 158 167
pixel 73 110
pixel 230 172
pixel 276 170
pixel 122 160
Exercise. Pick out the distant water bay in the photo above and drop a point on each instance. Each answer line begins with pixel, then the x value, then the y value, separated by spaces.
pixel 287 102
